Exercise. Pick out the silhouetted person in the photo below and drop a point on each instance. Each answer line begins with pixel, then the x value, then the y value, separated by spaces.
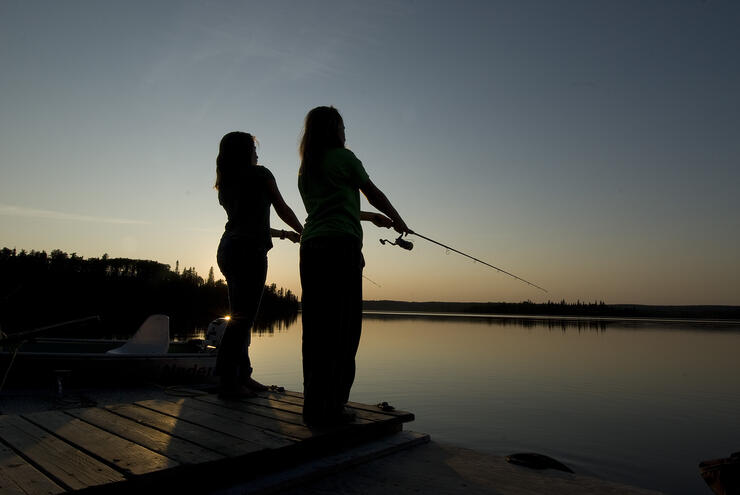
pixel 246 191
pixel 330 180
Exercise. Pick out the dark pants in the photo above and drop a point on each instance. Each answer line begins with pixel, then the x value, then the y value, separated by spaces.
pixel 331 280
pixel 245 269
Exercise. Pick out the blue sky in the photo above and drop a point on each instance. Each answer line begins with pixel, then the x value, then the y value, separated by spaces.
pixel 591 147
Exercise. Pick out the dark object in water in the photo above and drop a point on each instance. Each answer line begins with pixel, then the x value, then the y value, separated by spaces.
pixel 537 461
pixel 722 475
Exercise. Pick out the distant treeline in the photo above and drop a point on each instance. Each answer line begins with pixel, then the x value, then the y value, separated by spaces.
pixel 562 308
pixel 38 289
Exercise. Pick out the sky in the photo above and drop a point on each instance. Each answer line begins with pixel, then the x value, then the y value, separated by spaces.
pixel 591 147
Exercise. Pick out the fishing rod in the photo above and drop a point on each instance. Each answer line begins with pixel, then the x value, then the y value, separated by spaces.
pixel 372 281
pixel 408 245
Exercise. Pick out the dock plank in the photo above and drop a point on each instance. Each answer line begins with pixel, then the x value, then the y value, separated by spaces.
pixel 275 417
pixel 295 406
pixel 281 422
pixel 226 445
pixel 183 409
pixel 280 405
pixel 290 402
pixel 175 448
pixel 68 466
pixel 248 406
pixel 19 477
pixel 129 457
pixel 377 413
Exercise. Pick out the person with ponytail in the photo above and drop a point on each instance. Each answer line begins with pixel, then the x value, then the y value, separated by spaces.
pixel 246 191
pixel 330 180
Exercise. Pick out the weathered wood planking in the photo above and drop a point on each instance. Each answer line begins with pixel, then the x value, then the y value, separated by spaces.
pixel 287 408
pixel 248 406
pixel 226 445
pixel 178 444
pixel 294 407
pixel 70 467
pixel 364 411
pixel 183 409
pixel 279 422
pixel 19 477
pixel 175 448
pixel 125 455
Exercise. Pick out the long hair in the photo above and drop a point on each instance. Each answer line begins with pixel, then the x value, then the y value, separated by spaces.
pixel 320 134
pixel 234 153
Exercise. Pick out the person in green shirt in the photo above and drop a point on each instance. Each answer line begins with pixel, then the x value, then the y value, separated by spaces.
pixel 246 191
pixel 330 180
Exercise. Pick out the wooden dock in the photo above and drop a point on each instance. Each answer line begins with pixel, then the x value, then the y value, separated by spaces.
pixel 199 443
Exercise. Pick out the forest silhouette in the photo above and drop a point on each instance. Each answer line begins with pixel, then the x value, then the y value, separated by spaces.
pixel 38 289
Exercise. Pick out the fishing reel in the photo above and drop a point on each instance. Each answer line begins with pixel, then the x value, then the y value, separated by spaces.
pixel 400 242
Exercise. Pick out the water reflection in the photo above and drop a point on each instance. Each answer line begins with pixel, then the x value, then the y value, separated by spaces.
pixel 263 326
pixel 269 327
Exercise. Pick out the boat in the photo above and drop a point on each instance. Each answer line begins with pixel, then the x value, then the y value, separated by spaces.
pixel 148 356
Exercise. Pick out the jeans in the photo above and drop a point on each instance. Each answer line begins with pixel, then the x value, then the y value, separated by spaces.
pixel 245 269
pixel 331 279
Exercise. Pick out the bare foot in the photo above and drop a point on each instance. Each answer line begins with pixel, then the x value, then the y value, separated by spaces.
pixel 253 384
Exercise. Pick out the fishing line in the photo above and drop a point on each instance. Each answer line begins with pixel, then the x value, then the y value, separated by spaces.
pixel 408 245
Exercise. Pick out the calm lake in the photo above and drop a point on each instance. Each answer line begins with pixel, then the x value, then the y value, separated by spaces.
pixel 640 402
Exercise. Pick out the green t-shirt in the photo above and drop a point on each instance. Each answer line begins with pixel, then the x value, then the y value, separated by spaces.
pixel 331 195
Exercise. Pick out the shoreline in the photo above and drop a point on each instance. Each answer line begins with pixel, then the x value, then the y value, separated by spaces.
pixel 564 309
pixel 494 316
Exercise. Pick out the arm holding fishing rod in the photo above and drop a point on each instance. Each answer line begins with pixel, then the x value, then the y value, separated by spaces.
pixel 378 199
